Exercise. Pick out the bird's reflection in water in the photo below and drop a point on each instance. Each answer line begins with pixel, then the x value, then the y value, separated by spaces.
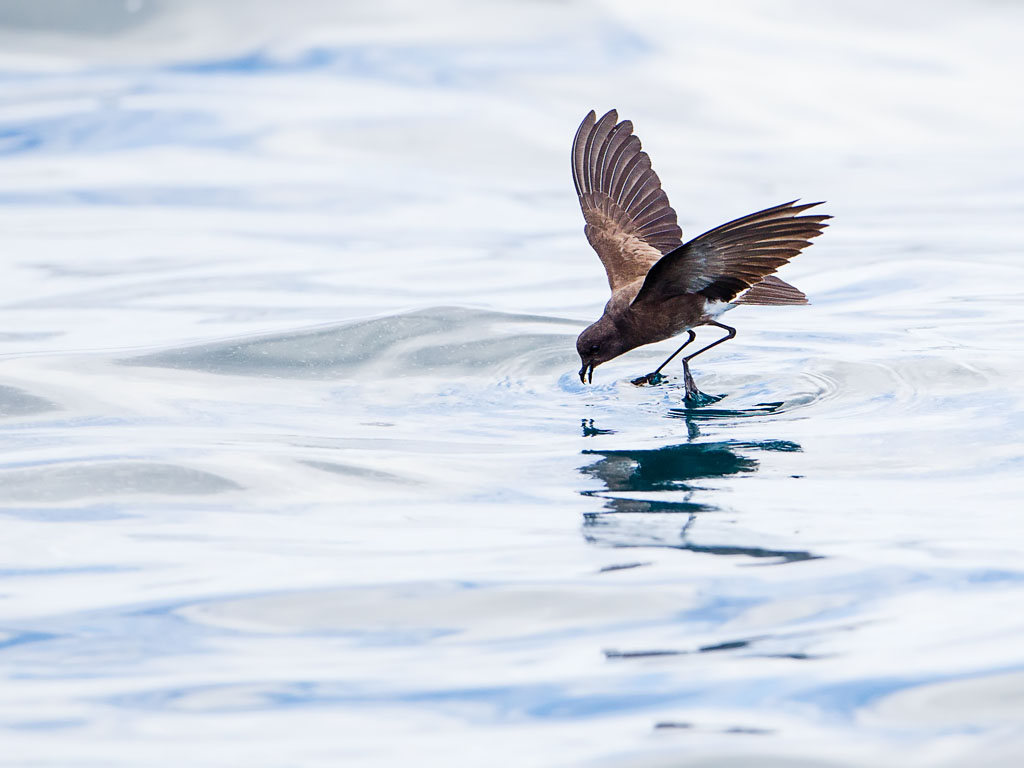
pixel 634 513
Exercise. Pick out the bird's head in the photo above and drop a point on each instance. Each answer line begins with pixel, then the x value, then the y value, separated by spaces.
pixel 598 344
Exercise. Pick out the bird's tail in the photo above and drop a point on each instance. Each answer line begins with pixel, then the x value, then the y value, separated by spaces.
pixel 771 290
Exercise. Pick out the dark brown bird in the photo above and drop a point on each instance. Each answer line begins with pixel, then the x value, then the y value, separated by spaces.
pixel 661 287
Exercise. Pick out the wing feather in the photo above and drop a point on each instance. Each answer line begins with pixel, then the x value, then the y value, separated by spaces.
pixel 579 145
pixel 773 291
pixel 595 145
pixel 642 208
pixel 654 217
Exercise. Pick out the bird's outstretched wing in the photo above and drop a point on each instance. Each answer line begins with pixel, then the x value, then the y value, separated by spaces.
pixel 735 256
pixel 629 221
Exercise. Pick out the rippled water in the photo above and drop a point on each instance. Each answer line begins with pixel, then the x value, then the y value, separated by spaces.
pixel 296 468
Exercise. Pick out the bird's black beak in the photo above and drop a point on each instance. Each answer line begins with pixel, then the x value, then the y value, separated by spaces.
pixel 587 372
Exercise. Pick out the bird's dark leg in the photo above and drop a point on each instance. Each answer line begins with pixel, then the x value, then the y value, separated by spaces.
pixel 693 394
pixel 655 377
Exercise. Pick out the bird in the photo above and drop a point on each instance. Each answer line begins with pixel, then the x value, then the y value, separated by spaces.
pixel 660 286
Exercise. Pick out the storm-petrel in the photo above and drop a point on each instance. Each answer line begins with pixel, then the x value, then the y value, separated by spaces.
pixel 660 286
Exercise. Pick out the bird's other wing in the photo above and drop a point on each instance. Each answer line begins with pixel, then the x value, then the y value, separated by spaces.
pixel 629 221
pixel 735 256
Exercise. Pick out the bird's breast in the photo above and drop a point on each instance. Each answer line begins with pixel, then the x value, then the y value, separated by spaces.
pixel 669 317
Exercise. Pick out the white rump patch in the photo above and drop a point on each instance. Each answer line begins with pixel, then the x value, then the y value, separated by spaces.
pixel 715 308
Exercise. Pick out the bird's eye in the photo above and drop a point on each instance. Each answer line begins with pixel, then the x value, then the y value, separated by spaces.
pixel 594 349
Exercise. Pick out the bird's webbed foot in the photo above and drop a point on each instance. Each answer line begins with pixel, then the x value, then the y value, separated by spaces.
pixel 694 397
pixel 651 379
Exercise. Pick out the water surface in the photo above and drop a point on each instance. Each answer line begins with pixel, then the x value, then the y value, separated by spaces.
pixel 295 468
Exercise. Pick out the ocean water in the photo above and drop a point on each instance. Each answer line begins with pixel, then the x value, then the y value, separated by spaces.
pixel 295 466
